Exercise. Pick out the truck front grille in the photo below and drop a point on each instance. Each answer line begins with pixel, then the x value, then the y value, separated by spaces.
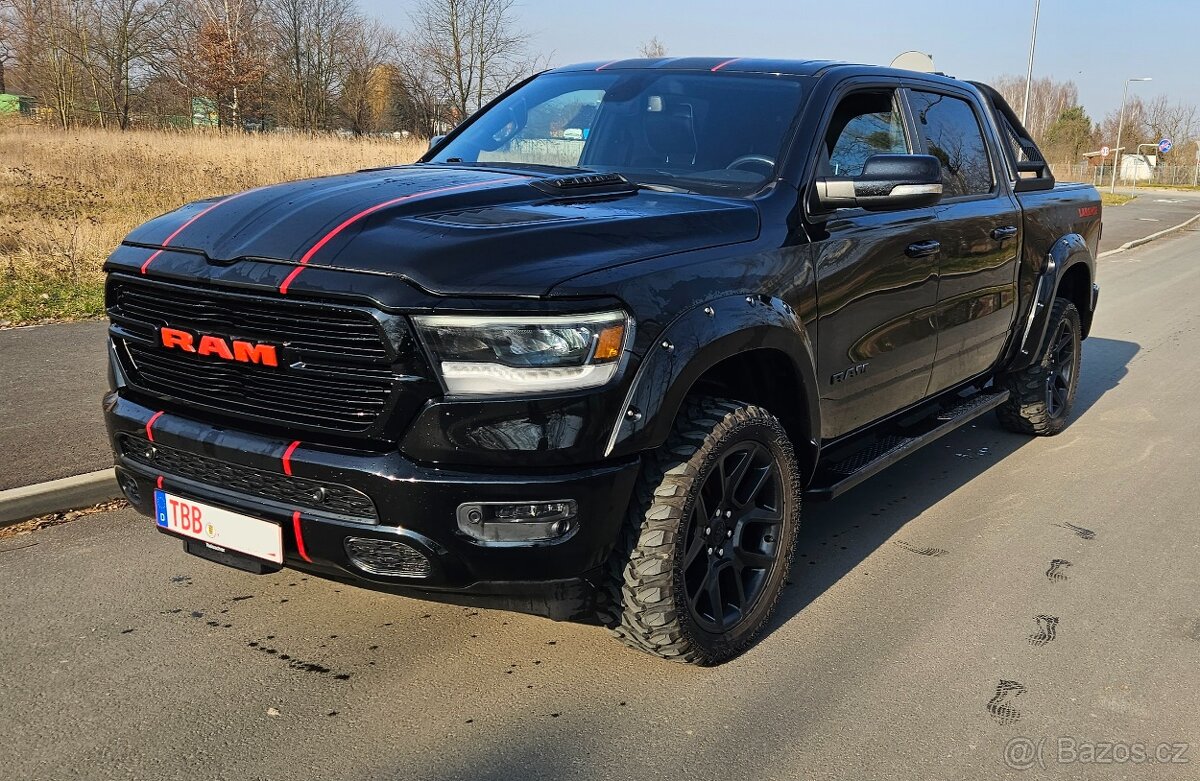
pixel 339 366
pixel 295 492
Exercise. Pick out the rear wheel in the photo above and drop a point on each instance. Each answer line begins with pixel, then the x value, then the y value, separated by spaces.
pixel 709 536
pixel 1043 395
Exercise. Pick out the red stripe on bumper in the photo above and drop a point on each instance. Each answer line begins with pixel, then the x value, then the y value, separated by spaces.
pixel 150 425
pixel 299 536
pixel 287 457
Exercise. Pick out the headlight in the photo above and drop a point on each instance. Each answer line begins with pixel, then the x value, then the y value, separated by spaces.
pixel 489 356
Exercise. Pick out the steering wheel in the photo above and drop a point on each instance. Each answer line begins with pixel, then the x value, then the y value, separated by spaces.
pixel 757 160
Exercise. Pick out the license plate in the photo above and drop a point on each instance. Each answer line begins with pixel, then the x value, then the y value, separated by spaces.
pixel 219 528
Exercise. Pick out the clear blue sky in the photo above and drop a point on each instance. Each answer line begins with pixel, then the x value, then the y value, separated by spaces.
pixel 1077 41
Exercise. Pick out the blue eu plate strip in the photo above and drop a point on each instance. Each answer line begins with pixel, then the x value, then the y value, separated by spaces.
pixel 160 508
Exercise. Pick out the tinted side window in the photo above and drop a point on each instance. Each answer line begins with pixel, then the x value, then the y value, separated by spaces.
pixel 952 135
pixel 864 124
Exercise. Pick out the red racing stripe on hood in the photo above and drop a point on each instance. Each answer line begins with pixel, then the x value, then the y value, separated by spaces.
pixel 167 241
pixel 283 288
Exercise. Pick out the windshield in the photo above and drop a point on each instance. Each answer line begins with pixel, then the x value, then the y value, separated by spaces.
pixel 705 132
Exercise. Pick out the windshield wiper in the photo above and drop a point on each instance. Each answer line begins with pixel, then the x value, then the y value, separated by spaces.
pixel 510 164
pixel 661 188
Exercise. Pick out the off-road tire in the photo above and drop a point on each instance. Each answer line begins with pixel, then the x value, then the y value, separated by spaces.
pixel 645 603
pixel 1028 410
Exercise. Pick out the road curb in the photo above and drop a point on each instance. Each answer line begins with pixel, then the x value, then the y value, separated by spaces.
pixel 69 493
pixel 1147 239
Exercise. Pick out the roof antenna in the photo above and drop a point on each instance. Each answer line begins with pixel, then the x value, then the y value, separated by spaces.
pixel 914 61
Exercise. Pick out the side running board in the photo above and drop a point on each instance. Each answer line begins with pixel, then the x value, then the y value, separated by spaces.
pixel 883 451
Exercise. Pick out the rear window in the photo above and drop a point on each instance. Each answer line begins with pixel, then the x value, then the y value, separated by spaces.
pixel 953 135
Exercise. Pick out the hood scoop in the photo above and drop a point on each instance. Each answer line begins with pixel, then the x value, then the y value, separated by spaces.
pixel 496 217
pixel 586 185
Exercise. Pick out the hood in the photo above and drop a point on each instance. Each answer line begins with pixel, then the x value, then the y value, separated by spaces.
pixel 450 230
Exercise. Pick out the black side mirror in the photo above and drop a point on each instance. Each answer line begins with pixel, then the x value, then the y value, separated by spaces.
pixel 888 182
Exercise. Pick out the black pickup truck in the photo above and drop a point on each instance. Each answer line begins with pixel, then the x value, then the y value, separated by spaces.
pixel 586 357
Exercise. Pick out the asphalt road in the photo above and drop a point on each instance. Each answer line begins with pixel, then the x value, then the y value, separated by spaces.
pixel 1150 212
pixel 989 589
pixel 51 381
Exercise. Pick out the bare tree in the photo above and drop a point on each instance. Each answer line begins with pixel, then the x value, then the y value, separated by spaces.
pixel 43 36
pixel 8 42
pixel 424 102
pixel 369 80
pixel 312 64
pixel 1176 121
pixel 225 55
pixel 475 49
pixel 112 41
pixel 310 42
pixel 1135 128
pixel 653 49
pixel 1048 99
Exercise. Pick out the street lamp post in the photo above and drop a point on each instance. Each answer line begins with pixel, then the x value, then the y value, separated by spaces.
pixel 1120 129
pixel 1037 7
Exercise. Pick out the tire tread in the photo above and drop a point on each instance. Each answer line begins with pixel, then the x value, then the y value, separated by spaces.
pixel 640 605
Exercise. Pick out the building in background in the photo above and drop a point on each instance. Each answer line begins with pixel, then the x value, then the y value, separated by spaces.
pixel 1139 168
pixel 16 104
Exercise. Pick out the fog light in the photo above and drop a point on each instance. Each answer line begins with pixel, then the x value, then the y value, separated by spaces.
pixel 526 522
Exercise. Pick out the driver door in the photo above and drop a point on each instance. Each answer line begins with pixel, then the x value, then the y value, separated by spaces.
pixel 876 275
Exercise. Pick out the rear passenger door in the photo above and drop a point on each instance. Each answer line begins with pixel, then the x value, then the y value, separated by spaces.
pixel 979 228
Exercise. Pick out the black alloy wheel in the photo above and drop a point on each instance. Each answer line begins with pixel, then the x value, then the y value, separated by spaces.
pixel 1061 377
pixel 709 536
pixel 1042 395
pixel 733 539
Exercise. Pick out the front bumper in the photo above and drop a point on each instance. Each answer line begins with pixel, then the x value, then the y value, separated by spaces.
pixel 414 504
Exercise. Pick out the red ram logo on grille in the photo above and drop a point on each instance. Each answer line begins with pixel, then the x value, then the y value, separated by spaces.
pixel 219 347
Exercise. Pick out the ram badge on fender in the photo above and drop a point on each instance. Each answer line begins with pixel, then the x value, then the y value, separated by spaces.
pixel 587 356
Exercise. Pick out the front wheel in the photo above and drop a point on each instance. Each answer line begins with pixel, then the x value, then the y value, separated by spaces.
pixel 1043 395
pixel 709 536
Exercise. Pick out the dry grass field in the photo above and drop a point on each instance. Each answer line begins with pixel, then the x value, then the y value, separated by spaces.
pixel 67 198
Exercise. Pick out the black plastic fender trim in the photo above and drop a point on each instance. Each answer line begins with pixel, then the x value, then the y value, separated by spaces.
pixel 1066 253
pixel 695 342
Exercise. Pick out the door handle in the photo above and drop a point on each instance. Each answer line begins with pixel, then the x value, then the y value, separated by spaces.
pixel 923 249
pixel 1005 233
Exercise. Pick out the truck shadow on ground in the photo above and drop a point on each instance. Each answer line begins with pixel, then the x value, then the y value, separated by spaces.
pixel 835 537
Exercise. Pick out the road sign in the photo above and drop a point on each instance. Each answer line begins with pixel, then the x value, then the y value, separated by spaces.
pixel 1165 145
pixel 1104 151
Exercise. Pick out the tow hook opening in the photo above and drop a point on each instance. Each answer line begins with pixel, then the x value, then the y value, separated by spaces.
pixel 129 487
